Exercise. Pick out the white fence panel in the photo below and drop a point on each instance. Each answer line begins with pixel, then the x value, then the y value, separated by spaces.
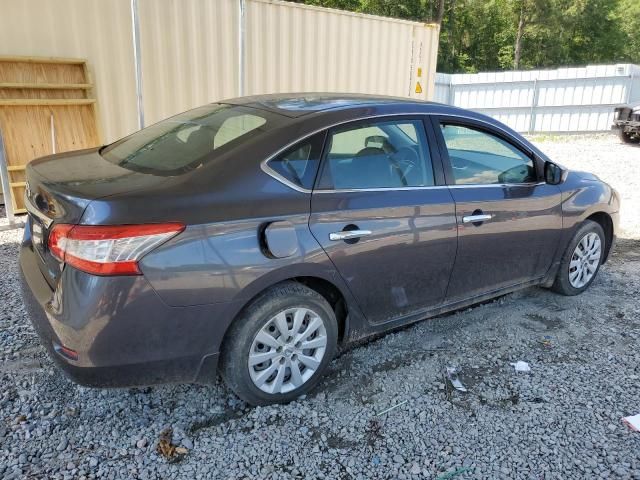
pixel 562 100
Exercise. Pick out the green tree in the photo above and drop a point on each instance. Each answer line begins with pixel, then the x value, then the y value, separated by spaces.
pixel 484 35
pixel 627 16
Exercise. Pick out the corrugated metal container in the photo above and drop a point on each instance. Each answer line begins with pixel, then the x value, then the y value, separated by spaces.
pixel 562 100
pixel 190 54
pixel 189 51
pixel 302 48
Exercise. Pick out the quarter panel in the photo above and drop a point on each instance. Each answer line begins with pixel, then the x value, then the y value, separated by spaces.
pixel 226 261
pixel 119 321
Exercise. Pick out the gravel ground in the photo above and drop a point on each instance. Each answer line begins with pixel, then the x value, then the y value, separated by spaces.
pixel 562 420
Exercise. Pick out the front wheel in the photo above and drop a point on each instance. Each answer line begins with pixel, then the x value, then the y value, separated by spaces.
pixel 581 261
pixel 280 346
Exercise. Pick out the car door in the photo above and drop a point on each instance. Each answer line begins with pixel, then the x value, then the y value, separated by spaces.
pixel 383 215
pixel 509 219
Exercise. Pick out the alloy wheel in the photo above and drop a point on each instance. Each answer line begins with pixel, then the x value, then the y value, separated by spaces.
pixel 585 260
pixel 287 351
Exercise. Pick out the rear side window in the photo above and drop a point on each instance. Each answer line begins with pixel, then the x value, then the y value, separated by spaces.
pixel 184 142
pixel 299 164
pixel 382 154
pixel 480 158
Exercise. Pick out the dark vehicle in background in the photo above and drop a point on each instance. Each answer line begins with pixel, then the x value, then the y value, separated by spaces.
pixel 256 236
pixel 626 120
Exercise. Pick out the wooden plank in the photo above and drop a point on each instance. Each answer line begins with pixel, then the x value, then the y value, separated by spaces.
pixel 17 184
pixel 58 60
pixel 16 168
pixel 76 127
pixel 91 93
pixel 45 101
pixel 16 72
pixel 48 86
pixel 41 93
pixel 27 135
pixel 20 210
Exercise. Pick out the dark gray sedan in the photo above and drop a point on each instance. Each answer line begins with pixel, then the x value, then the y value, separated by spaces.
pixel 255 236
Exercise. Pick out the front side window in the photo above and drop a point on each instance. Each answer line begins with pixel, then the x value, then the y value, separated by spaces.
pixel 383 154
pixel 480 158
pixel 184 142
pixel 299 163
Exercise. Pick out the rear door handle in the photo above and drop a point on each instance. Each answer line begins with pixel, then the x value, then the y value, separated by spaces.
pixel 348 235
pixel 476 218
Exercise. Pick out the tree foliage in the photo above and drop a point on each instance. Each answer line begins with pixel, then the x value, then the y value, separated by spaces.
pixel 484 35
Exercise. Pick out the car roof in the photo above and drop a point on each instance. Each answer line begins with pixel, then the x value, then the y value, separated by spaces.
pixel 299 104
pixel 311 112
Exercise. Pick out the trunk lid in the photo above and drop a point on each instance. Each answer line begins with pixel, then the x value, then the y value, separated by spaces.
pixel 146 168
pixel 60 187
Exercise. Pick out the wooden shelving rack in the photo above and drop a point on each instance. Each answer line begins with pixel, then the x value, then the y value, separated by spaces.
pixel 47 105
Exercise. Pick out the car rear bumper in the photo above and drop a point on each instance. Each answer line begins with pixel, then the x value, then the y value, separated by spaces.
pixel 121 332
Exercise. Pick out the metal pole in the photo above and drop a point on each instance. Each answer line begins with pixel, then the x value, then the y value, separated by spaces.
pixel 241 46
pixel 6 188
pixel 53 134
pixel 135 29
pixel 534 104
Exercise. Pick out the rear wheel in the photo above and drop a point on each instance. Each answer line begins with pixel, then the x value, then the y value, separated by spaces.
pixel 581 261
pixel 627 137
pixel 280 346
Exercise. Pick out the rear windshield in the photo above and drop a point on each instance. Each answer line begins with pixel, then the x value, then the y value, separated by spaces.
pixel 188 140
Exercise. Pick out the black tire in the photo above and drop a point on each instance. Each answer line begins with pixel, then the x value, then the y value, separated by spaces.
pixel 628 137
pixel 238 343
pixel 562 283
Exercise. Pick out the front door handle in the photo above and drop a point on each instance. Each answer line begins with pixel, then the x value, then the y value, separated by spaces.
pixel 348 235
pixel 476 218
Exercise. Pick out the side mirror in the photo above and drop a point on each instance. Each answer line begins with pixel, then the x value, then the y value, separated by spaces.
pixel 553 174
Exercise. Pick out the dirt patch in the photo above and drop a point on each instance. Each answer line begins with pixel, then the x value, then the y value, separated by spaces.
pixel 542 320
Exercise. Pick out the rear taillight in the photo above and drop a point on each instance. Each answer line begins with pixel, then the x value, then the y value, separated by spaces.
pixel 108 250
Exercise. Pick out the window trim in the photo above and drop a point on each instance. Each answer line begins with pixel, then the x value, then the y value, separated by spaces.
pixel 385 118
pixel 485 127
pixel 424 117
pixel 439 157
pixel 285 181
pixel 264 165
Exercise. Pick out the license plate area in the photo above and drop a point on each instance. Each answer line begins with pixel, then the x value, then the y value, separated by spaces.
pixel 38 233
pixel 49 265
